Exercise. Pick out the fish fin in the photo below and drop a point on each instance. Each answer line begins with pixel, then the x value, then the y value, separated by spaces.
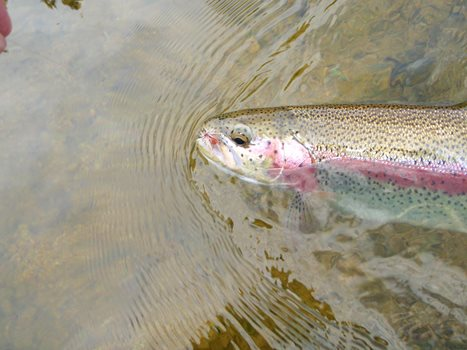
pixel 308 212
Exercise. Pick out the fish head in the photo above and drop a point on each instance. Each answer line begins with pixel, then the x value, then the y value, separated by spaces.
pixel 252 145
pixel 236 145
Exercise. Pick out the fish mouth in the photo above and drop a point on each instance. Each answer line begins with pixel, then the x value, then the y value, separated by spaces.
pixel 219 150
pixel 216 147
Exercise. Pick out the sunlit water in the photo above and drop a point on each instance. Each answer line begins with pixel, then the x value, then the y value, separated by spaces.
pixel 115 234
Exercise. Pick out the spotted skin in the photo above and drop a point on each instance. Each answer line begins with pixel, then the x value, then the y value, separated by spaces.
pixel 406 161
pixel 368 198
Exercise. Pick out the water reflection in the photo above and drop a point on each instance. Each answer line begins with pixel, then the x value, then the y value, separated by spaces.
pixel 115 235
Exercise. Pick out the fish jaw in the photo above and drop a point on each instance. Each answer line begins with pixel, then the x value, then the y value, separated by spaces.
pixel 216 148
pixel 265 160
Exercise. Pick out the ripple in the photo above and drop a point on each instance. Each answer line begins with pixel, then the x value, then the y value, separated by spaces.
pixel 160 250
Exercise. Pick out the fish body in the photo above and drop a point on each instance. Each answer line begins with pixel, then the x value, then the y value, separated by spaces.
pixel 403 163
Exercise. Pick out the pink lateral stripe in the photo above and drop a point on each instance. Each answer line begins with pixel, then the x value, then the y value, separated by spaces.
pixel 298 170
pixel 451 182
pixel 304 178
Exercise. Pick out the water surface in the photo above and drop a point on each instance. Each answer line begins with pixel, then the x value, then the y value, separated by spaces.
pixel 116 234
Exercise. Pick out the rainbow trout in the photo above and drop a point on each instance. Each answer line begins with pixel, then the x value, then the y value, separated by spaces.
pixel 401 163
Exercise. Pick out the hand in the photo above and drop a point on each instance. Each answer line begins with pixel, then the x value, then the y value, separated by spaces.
pixel 5 25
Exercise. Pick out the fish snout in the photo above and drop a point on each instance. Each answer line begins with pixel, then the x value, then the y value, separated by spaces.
pixel 210 138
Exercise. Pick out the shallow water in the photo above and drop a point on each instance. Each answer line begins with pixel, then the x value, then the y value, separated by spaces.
pixel 116 234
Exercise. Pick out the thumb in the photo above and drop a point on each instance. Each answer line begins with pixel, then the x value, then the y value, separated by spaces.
pixel 5 22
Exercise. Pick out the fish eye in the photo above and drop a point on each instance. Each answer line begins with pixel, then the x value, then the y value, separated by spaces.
pixel 241 135
pixel 240 139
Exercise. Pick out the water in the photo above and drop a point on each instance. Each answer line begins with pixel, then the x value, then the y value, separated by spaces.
pixel 116 235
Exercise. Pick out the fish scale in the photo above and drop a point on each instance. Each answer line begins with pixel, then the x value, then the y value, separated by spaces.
pixel 386 201
pixel 395 132
pixel 397 162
